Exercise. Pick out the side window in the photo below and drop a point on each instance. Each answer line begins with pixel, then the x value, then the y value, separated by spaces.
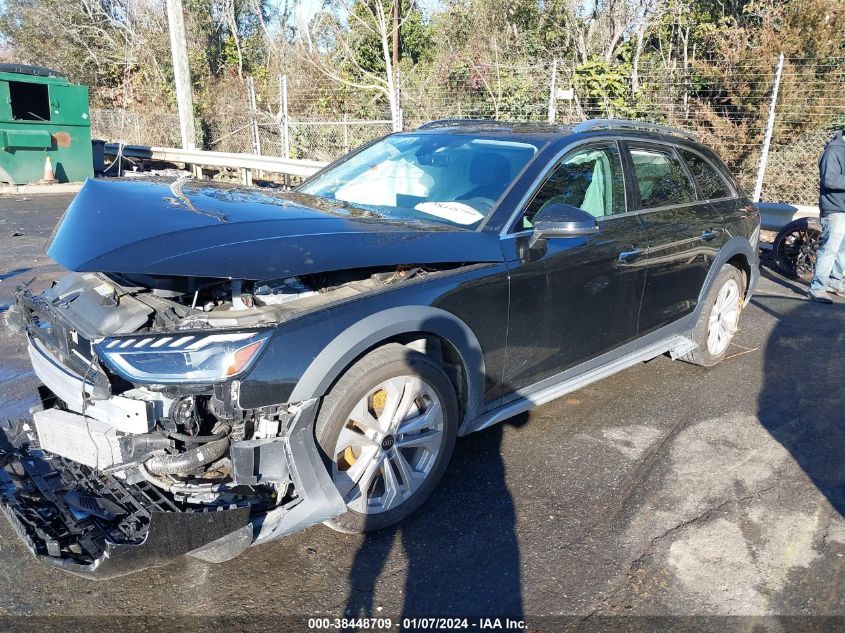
pixel 661 178
pixel 710 183
pixel 589 178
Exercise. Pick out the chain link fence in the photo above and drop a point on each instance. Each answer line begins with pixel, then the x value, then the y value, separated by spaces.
pixel 136 127
pixel 318 124
pixel 727 106
pixel 136 114
pixel 791 174
pixel 478 91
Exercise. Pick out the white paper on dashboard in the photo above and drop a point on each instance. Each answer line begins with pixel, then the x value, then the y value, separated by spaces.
pixel 456 212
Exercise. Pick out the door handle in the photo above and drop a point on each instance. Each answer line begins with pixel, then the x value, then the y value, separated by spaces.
pixel 629 256
pixel 709 235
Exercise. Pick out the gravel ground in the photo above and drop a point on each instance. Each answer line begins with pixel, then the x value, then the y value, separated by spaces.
pixel 665 490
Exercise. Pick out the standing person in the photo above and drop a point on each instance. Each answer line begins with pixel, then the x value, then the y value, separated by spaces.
pixel 830 262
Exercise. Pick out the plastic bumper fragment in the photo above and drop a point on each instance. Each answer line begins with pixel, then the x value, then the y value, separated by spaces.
pixel 319 498
pixel 149 531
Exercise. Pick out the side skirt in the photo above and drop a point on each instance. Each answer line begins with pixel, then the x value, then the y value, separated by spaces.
pixel 646 348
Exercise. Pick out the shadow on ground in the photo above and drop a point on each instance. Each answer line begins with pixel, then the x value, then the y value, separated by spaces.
pixel 462 552
pixel 802 403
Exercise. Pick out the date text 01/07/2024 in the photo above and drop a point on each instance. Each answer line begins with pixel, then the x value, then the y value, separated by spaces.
pixel 431 624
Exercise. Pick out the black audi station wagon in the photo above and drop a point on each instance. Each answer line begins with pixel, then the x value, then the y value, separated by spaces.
pixel 224 366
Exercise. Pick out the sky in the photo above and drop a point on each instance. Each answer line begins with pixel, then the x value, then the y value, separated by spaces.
pixel 306 9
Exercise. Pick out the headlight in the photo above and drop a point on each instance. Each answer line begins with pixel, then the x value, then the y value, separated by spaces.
pixel 182 358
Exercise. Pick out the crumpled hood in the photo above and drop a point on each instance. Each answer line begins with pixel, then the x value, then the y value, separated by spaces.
pixel 196 228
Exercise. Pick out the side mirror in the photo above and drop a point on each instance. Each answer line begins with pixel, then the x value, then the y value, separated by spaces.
pixel 563 220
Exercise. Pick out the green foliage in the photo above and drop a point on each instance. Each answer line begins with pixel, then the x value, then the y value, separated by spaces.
pixel 605 88
pixel 704 22
pixel 415 37
pixel 229 53
pixel 458 57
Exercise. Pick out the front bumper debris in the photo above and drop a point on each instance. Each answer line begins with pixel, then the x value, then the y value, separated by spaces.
pixel 58 491
pixel 125 528
pixel 98 526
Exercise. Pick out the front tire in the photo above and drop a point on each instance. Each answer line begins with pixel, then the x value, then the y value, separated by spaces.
pixel 387 430
pixel 719 319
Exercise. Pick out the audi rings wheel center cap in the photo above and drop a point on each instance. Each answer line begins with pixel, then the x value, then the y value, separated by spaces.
pixel 388 442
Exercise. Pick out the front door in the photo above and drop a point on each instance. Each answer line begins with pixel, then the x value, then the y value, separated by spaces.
pixel 573 298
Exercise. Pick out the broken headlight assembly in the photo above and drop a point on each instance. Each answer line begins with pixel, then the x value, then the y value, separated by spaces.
pixel 182 358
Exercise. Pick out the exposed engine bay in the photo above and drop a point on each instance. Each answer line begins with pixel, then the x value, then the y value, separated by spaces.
pixel 139 374
pixel 148 405
pixel 108 304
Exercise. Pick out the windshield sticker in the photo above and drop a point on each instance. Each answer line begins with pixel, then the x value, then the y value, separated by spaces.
pixel 456 212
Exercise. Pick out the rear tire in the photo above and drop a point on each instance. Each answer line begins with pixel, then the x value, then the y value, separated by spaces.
pixel 719 318
pixel 387 430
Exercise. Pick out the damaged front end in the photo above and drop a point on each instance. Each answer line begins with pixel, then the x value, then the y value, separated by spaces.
pixel 139 452
pixel 166 425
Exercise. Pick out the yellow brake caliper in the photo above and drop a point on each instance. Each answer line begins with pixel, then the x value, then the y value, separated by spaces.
pixel 347 458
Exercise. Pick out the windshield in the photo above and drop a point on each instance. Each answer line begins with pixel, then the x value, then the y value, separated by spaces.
pixel 450 178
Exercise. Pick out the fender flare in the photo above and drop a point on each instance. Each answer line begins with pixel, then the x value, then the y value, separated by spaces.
pixel 735 246
pixel 365 334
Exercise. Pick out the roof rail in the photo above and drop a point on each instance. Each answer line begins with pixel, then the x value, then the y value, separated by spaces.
pixel 457 122
pixel 627 124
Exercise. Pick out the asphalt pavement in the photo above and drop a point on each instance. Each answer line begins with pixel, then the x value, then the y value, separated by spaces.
pixel 665 490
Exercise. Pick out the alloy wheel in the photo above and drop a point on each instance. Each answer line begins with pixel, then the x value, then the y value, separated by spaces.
pixel 389 445
pixel 724 316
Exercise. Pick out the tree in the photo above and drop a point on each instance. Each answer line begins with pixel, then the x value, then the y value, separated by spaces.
pixel 337 47
pixel 94 42
pixel 603 25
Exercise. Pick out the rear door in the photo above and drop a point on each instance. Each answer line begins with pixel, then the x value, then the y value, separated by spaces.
pixel 684 232
pixel 738 215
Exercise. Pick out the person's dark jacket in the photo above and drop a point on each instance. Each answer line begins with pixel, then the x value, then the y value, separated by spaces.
pixel 832 177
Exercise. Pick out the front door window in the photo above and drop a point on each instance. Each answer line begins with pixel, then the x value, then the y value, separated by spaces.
pixel 589 178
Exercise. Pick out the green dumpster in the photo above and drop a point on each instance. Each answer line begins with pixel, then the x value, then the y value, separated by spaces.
pixel 42 115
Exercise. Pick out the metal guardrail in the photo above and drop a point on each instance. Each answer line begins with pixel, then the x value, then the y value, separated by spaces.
pixel 247 163
pixel 776 215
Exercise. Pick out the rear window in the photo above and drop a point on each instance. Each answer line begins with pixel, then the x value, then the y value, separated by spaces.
pixel 709 181
pixel 661 178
